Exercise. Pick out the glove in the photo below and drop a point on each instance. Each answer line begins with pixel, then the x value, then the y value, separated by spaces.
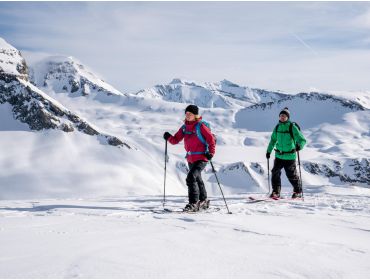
pixel 297 147
pixel 268 155
pixel 166 135
pixel 208 155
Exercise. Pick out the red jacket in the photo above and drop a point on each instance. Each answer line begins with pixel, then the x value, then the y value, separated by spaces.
pixel 192 143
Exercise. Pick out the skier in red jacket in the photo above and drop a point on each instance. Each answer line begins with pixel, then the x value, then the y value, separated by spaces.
pixel 197 155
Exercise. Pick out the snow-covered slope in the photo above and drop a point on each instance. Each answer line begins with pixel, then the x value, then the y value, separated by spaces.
pixel 361 97
pixel 307 109
pixel 224 94
pixel 326 236
pixel 48 150
pixel 66 74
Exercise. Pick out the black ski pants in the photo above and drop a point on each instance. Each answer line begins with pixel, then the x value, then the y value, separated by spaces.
pixel 194 181
pixel 290 171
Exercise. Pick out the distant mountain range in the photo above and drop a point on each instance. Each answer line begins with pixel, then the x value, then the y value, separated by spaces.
pixel 40 96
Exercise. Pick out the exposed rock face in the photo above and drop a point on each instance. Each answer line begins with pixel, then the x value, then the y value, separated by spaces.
pixel 352 171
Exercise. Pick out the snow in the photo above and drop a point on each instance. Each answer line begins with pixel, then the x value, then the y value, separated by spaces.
pixel 362 97
pixel 326 236
pixel 307 112
pixel 5 45
pixel 36 166
pixel 54 73
pixel 68 221
pixel 10 58
pixel 8 123
pixel 73 208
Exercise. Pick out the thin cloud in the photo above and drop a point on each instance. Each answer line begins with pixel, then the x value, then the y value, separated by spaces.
pixel 135 45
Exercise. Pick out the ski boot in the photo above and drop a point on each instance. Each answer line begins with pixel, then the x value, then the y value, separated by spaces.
pixel 192 207
pixel 296 195
pixel 204 204
pixel 275 195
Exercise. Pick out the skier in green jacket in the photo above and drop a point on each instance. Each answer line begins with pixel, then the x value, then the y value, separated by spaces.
pixel 288 139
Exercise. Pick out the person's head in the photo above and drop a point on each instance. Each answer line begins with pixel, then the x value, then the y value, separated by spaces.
pixel 284 115
pixel 191 113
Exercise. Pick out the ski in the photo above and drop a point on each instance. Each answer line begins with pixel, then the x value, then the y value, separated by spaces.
pixel 267 199
pixel 255 199
pixel 182 211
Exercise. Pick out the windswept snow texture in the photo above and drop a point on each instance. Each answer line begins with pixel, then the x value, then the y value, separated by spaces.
pixel 325 236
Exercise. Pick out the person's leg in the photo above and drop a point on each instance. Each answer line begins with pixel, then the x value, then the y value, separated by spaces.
pixel 275 175
pixel 194 176
pixel 202 189
pixel 292 174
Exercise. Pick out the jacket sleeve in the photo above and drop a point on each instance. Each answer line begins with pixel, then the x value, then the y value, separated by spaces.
pixel 177 137
pixel 298 137
pixel 206 132
pixel 272 141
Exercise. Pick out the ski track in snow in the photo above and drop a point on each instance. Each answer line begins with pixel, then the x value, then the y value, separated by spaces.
pixel 122 237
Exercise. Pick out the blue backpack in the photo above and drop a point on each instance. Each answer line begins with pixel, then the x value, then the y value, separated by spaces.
pixel 199 135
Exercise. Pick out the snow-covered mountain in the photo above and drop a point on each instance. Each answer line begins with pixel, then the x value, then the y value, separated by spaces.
pixel 32 106
pixel 224 94
pixel 66 74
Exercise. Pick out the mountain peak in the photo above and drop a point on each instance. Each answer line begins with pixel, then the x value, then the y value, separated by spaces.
pixel 176 81
pixel 11 61
pixel 182 81
pixel 5 45
pixel 66 74
pixel 228 83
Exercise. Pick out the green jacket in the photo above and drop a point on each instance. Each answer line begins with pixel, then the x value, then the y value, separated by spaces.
pixel 284 142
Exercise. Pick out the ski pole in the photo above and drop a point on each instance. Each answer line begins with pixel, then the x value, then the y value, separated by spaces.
pixel 268 175
pixel 214 171
pixel 165 173
pixel 300 173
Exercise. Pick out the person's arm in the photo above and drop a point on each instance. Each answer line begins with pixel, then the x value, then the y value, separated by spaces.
pixel 298 137
pixel 273 141
pixel 175 139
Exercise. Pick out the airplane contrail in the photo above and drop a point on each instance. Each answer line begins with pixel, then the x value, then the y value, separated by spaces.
pixel 304 44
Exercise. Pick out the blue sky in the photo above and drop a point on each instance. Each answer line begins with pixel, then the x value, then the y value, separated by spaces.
pixel 289 46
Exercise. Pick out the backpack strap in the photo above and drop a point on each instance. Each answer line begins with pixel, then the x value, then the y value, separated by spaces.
pixel 184 130
pixel 276 129
pixel 291 129
pixel 199 133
